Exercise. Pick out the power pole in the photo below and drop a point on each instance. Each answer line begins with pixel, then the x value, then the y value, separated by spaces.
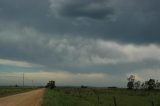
pixel 23 79
pixel 32 83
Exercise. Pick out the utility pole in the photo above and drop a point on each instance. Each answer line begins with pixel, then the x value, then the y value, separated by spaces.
pixel 32 83
pixel 23 79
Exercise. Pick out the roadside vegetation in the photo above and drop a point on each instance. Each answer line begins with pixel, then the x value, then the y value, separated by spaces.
pixel 100 97
pixel 6 91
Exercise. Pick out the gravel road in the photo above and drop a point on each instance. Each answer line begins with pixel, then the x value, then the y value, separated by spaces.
pixel 32 98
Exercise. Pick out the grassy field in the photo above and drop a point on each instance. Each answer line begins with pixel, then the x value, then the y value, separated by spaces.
pixel 100 97
pixel 5 91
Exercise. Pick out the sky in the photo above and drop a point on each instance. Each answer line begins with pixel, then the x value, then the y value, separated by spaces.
pixel 79 42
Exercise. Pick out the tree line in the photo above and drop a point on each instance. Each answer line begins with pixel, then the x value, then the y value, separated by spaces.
pixel 150 84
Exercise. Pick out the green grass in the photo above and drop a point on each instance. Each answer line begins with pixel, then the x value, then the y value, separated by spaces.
pixel 89 97
pixel 56 98
pixel 11 91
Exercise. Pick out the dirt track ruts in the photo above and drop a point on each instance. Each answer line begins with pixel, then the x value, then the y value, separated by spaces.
pixel 32 98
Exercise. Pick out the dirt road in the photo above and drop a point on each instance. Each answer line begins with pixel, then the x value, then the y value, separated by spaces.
pixel 32 98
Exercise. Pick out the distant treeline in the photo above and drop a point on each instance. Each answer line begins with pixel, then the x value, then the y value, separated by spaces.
pixel 151 84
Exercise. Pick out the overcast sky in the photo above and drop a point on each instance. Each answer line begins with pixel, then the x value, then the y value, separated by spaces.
pixel 79 42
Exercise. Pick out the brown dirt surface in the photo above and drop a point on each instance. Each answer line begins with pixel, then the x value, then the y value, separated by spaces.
pixel 32 98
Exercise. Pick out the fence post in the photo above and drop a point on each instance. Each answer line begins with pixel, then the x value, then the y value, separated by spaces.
pixel 79 92
pixel 115 102
pixel 98 99
pixel 97 95
pixel 152 103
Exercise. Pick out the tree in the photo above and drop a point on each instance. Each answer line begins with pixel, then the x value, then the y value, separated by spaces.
pixel 130 84
pixel 157 84
pixel 151 84
pixel 137 84
pixel 51 84
pixel 144 85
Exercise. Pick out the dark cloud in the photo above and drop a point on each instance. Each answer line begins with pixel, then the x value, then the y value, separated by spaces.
pixel 117 20
pixel 112 37
pixel 33 13
pixel 76 54
pixel 137 22
pixel 67 34
pixel 22 10
pixel 84 9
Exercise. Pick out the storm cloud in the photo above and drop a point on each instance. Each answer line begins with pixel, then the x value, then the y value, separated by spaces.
pixel 75 54
pixel 111 37
pixel 120 20
pixel 82 9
